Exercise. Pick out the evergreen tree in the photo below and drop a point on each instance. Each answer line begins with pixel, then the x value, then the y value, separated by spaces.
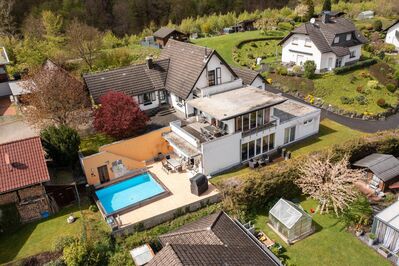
pixel 310 9
pixel 327 5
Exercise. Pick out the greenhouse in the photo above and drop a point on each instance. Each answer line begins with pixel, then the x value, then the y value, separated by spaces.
pixel 290 221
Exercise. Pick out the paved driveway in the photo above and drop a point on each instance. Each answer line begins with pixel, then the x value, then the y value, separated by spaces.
pixel 16 130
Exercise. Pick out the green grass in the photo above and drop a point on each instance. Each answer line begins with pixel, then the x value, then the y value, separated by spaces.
pixel 39 236
pixel 266 49
pixel 224 44
pixel 331 244
pixel 90 144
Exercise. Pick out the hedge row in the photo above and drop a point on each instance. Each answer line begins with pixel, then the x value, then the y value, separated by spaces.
pixel 240 44
pixel 357 65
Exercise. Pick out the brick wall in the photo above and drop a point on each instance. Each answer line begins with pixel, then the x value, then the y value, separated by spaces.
pixel 30 192
pixel 31 211
pixel 8 198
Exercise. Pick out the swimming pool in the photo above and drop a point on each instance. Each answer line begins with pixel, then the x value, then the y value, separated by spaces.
pixel 128 193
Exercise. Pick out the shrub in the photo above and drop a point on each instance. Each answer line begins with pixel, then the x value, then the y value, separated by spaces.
pixel 63 241
pixel 381 102
pixel 357 65
pixel 296 69
pixel 358 213
pixel 391 87
pixel 281 70
pixel 346 100
pixel 360 89
pixel 76 254
pixel 361 99
pixel 93 208
pixel 377 25
pixel 388 48
pixel 373 85
pixel 286 26
pixel 120 258
pixel 310 68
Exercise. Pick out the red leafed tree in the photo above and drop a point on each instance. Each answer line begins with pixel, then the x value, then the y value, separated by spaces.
pixel 119 115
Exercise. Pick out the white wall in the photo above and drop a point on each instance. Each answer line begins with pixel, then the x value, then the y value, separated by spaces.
pixel 174 103
pixel 391 38
pixel 258 83
pixel 221 154
pixel 235 84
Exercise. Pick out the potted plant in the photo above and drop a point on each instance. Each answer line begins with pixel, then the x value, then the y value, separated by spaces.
pixel 372 238
pixel 359 230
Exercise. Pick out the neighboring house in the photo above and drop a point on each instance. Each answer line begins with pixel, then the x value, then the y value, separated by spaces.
pixel 3 62
pixel 232 126
pixel 250 77
pixel 163 35
pixel 383 171
pixel 245 25
pixel 386 228
pixel 392 34
pixel 290 221
pixel 330 41
pixel 23 171
pixel 216 239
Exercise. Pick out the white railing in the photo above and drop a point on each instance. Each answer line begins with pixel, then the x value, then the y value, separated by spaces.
pixel 176 128
pixel 208 91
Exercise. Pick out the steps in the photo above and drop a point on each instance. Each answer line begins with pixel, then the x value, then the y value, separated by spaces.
pixel 165 112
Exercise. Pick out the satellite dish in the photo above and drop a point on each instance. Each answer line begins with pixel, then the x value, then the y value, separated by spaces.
pixel 312 20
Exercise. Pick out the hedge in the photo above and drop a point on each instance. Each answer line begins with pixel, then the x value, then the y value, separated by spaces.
pixel 357 65
pixel 240 44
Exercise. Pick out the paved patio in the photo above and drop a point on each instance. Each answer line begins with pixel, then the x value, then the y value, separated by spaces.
pixel 164 209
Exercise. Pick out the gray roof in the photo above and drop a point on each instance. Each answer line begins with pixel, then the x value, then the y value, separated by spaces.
pixel 384 166
pixel 132 80
pixel 165 32
pixel 3 56
pixel 247 75
pixel 5 89
pixel 213 240
pixel 393 24
pixel 323 34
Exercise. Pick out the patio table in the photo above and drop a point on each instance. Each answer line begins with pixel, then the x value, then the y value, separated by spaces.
pixel 173 163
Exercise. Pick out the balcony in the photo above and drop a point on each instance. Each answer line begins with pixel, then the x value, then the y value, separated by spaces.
pixel 272 123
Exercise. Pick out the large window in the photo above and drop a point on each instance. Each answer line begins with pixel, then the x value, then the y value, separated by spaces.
pixel 253 119
pixel 268 143
pixel 147 98
pixel 238 123
pixel 271 141
pixel 348 36
pixel 289 135
pixel 352 54
pixel 218 75
pixel 260 117
pixel 245 122
pixel 251 149
pixel 211 78
pixel 258 146
pixel 266 116
pixel 244 151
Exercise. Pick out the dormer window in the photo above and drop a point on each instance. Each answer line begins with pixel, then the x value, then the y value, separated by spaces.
pixel 308 43
pixel 348 37
pixel 352 54
pixel 295 41
pixel 336 39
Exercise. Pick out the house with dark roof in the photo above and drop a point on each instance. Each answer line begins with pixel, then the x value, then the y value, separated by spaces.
pixel 216 239
pixel 392 34
pixel 330 40
pixel 163 35
pixel 382 171
pixel 23 172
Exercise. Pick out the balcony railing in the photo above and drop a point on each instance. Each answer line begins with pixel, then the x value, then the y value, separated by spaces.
pixel 272 123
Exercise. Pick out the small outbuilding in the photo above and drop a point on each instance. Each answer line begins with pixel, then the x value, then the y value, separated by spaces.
pixel 386 228
pixel 369 14
pixel 290 221
pixel 164 34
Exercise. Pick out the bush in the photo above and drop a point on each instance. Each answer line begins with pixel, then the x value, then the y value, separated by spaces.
pixel 286 26
pixel 360 89
pixel 381 103
pixel 361 99
pixel 346 100
pixel 357 65
pixel 373 85
pixel 281 70
pixel 120 258
pixel 388 48
pixel 377 25
pixel 62 242
pixel 391 87
pixel 93 208
pixel 310 68
pixel 76 254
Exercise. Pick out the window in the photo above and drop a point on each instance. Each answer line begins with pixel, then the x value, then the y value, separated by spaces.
pixel 245 122
pixel 295 41
pixel 258 146
pixel 162 95
pixel 218 75
pixel 251 149
pixel 238 123
pixel 271 141
pixel 289 135
pixel 306 122
pixel 211 78
pixel 260 117
pixel 147 98
pixel 253 120
pixel 266 116
pixel 265 144
pixel 338 62
pixel 352 54
pixel 348 36
pixel 336 39
pixel 244 151
pixel 308 43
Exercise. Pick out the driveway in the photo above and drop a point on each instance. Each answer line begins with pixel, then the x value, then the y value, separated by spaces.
pixel 16 130
pixel 367 126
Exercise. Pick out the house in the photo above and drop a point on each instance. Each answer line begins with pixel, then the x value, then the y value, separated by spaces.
pixel 386 228
pixel 245 25
pixel 23 171
pixel 232 126
pixel 250 77
pixel 392 34
pixel 216 239
pixel 290 221
pixel 369 14
pixel 330 41
pixel 382 171
pixel 3 62
pixel 163 35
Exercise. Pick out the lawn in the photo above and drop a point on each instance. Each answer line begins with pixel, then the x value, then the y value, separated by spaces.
pixel 269 50
pixel 37 237
pixel 224 44
pixel 330 133
pixel 90 144
pixel 329 245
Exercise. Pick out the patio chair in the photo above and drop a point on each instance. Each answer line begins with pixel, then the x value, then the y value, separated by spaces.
pixel 252 164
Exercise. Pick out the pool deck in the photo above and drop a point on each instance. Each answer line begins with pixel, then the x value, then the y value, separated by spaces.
pixel 180 198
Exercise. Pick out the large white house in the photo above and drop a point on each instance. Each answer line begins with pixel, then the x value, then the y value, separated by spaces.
pixel 392 34
pixel 330 41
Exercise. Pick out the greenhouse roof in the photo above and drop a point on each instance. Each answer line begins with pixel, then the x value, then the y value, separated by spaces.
pixel 287 212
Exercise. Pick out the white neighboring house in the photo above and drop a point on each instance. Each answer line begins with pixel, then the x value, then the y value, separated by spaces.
pixel 330 41
pixel 392 34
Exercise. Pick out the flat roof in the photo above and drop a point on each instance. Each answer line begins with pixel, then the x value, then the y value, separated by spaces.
pixel 291 109
pixel 390 216
pixel 227 105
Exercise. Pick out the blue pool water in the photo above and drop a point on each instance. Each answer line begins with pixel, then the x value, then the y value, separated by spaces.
pixel 128 192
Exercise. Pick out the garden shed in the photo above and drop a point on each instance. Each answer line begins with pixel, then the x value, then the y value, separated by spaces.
pixel 386 227
pixel 290 221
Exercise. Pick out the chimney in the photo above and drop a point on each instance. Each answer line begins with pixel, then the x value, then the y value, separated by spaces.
pixel 149 62
pixel 325 18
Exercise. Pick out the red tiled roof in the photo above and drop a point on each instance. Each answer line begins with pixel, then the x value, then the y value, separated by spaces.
pixel 22 164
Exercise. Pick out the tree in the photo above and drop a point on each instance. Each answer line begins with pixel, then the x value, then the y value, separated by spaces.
pixel 326 5
pixel 310 68
pixel 358 213
pixel 54 97
pixel 330 183
pixel 61 144
pixel 119 115
pixel 7 23
pixel 84 41
pixel 377 25
pixel 52 24
pixel 310 9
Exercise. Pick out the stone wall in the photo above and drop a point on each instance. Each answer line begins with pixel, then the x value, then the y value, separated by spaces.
pixel 32 210
pixel 31 192
pixel 8 198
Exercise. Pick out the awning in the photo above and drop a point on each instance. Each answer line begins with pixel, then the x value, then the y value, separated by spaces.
pixel 181 145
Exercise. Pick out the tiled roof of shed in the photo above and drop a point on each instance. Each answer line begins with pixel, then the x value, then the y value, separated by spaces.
pixel 384 166
pixel 27 164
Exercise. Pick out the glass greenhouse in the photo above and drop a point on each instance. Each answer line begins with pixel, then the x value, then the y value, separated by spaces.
pixel 291 221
